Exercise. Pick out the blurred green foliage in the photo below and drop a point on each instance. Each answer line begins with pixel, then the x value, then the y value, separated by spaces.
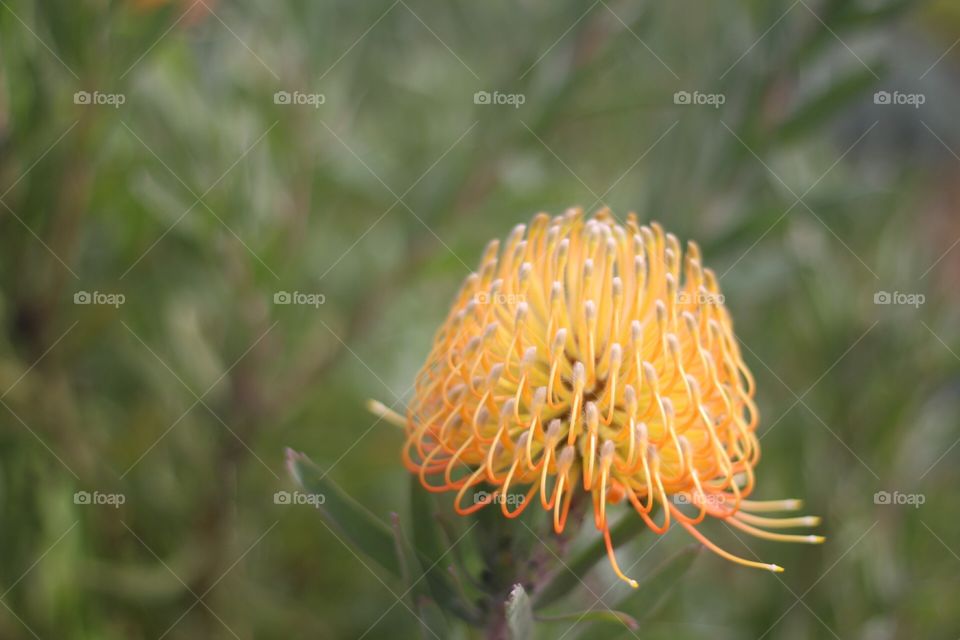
pixel 200 198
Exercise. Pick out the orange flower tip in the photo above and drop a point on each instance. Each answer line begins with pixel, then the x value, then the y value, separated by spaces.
pixel 579 373
pixel 529 355
pixel 556 290
pixel 522 310
pixel 608 450
pixel 673 342
pixel 811 521
pixel 553 430
pixel 642 432
pixel 566 458
pixel 649 373
pixel 521 444
pixel 815 539
pixel 633 583
pixel 774 568
pixel 590 309
pixel 668 406
pixel 592 414
pixel 616 354
pixel 560 339
pixel 384 412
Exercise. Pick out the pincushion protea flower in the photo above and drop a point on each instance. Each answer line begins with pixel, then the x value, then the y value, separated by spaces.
pixel 591 357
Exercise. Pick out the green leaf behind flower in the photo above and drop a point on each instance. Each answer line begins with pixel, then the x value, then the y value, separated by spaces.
pixel 348 518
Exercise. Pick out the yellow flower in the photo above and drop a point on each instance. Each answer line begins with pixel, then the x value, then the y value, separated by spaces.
pixel 590 356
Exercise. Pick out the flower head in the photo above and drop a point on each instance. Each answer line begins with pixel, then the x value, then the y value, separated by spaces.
pixel 589 358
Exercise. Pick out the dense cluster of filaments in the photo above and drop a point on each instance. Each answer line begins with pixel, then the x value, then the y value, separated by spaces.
pixel 586 356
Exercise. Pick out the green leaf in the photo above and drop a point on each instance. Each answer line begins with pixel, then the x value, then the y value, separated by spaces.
pixel 519 614
pixel 432 552
pixel 571 575
pixel 607 616
pixel 821 107
pixel 405 558
pixel 432 622
pixel 348 518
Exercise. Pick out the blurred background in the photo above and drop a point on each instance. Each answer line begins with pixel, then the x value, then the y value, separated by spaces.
pixel 225 225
